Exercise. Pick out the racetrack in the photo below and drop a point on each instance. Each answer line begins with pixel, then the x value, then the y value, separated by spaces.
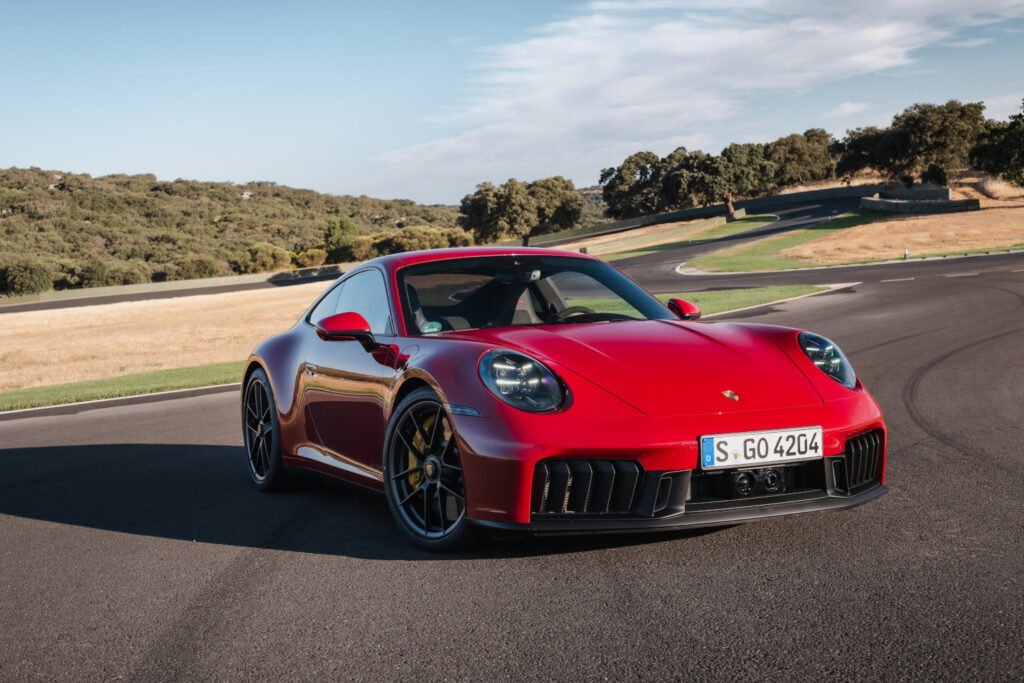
pixel 135 547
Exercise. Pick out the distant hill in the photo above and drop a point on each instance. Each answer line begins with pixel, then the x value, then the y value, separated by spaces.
pixel 125 229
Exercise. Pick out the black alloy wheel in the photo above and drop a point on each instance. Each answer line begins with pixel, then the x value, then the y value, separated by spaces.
pixel 423 474
pixel 262 433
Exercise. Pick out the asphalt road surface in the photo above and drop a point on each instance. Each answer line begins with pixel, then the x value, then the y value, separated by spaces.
pixel 133 546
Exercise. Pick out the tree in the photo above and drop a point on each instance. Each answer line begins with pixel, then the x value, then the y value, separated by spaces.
pixel 930 141
pixel 631 189
pixel 803 158
pixel 741 170
pixel 516 209
pixel 864 148
pixel 682 179
pixel 1000 149
pixel 937 139
pixel 476 212
pixel 557 203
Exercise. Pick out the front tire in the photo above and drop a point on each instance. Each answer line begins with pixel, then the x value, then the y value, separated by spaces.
pixel 423 474
pixel 262 433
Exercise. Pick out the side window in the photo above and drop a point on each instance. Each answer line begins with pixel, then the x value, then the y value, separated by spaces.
pixel 326 307
pixel 366 294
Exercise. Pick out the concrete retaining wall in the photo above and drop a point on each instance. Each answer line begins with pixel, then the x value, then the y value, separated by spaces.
pixel 909 207
pixel 921 193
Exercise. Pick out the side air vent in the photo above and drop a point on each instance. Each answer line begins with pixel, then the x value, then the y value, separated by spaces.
pixel 586 487
pixel 861 463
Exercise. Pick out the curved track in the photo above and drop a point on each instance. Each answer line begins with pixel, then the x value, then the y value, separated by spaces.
pixel 134 546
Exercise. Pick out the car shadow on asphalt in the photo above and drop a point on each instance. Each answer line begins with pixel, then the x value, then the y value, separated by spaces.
pixel 202 493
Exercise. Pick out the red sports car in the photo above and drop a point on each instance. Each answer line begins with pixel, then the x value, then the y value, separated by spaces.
pixel 544 391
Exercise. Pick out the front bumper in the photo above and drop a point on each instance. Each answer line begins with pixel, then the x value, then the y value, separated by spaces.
pixel 699 514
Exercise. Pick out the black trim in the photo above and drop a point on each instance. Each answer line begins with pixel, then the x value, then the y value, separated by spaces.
pixel 792 504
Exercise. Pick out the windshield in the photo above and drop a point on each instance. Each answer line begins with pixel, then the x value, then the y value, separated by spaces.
pixel 501 291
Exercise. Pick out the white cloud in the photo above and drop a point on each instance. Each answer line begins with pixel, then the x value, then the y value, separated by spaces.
pixel 970 43
pixel 617 76
pixel 846 109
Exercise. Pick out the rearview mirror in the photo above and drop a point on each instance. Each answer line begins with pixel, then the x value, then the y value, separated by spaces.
pixel 346 327
pixel 684 309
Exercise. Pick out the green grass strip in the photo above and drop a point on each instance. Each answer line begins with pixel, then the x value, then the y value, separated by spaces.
pixel 765 254
pixel 125 385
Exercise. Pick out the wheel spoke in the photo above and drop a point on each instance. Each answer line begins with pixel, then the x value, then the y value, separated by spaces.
pixel 434 427
pixel 264 456
pixel 411 494
pixel 419 428
pixel 416 453
pixel 415 468
pixel 451 492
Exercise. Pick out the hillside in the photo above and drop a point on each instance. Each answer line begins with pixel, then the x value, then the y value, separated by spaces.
pixel 124 229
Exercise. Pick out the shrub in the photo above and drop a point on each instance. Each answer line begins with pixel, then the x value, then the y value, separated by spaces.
pixel 263 257
pixel 310 258
pixel 27 277
pixel 129 274
pixel 412 239
pixel 93 274
pixel 199 266
pixel 363 248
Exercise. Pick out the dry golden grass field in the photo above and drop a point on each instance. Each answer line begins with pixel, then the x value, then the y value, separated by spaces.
pixel 949 233
pixel 39 348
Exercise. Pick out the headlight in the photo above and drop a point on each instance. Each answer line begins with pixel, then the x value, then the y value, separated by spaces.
pixel 520 381
pixel 829 358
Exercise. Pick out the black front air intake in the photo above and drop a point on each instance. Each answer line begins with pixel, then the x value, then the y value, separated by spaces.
pixel 599 488
pixel 861 463
pixel 586 486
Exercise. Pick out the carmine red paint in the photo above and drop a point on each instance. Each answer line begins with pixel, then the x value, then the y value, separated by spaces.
pixel 644 391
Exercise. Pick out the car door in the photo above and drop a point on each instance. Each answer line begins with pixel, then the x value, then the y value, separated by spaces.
pixel 346 385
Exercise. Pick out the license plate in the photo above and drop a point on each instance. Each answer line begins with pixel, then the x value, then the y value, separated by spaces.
pixel 756 449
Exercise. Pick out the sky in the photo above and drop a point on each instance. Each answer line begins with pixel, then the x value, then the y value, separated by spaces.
pixel 423 100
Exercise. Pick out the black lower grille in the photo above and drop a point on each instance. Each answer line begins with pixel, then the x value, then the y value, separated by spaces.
pixel 581 487
pixel 861 462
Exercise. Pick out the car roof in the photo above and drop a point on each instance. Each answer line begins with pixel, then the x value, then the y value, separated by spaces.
pixel 393 262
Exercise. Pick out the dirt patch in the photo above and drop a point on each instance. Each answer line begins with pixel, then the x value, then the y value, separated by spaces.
pixel 91 342
pixel 936 234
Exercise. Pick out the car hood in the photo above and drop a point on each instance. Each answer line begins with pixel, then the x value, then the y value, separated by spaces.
pixel 667 368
